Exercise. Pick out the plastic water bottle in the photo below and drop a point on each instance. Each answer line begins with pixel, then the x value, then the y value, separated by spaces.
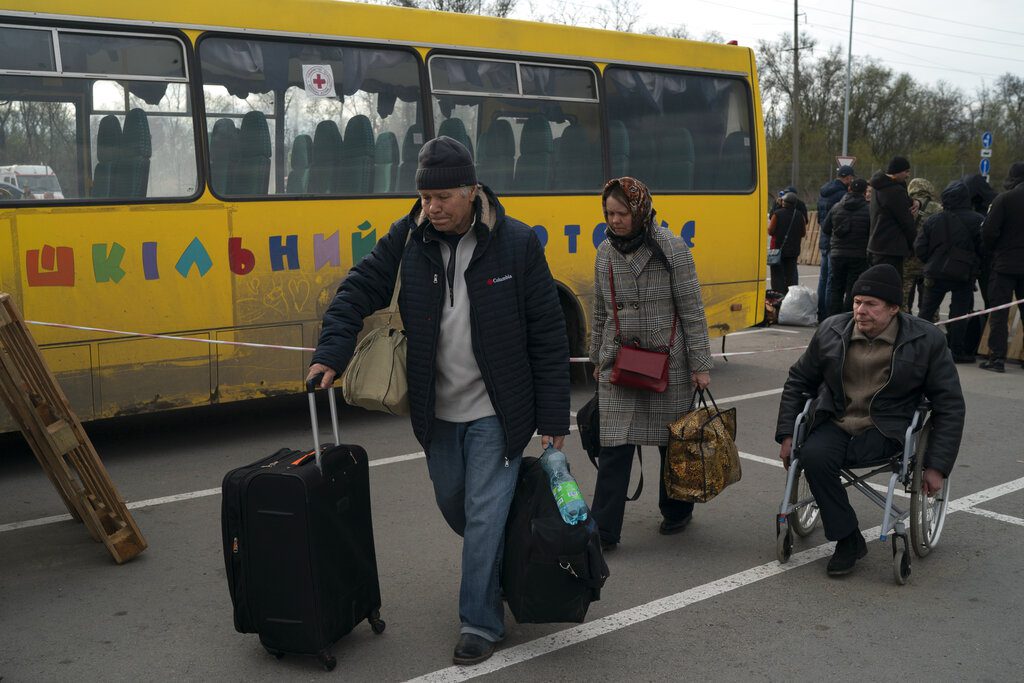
pixel 564 488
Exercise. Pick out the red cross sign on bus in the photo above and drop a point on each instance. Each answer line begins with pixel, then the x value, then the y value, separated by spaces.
pixel 319 79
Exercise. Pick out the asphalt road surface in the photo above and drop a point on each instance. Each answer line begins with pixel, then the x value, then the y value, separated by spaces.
pixel 709 604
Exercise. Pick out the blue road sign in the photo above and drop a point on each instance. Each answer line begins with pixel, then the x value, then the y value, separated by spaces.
pixel 986 139
pixel 985 165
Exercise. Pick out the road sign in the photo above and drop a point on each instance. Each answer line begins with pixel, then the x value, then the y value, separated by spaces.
pixel 845 161
pixel 985 166
pixel 986 139
pixel 987 152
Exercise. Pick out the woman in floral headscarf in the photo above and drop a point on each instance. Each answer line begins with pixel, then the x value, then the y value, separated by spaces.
pixel 658 304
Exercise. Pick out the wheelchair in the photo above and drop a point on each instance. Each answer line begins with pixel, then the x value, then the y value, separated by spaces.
pixel 925 516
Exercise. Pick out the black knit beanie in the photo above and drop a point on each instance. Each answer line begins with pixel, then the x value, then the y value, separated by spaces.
pixel 898 165
pixel 882 282
pixel 1017 170
pixel 444 163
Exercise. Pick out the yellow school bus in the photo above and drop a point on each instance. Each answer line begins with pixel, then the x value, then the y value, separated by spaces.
pixel 223 164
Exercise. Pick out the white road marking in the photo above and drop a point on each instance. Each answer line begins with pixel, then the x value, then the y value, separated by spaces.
pixel 995 515
pixel 756 394
pixel 635 615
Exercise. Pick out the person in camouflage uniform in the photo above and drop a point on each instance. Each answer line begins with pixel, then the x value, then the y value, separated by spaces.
pixel 922 192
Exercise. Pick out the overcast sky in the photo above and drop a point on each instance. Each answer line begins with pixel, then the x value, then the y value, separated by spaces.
pixel 963 42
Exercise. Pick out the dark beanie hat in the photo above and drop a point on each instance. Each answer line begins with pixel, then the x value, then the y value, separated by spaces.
pixel 444 163
pixel 898 165
pixel 1017 170
pixel 859 186
pixel 882 282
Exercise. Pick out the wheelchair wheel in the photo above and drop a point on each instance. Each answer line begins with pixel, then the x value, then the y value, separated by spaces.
pixel 783 540
pixel 805 519
pixel 927 513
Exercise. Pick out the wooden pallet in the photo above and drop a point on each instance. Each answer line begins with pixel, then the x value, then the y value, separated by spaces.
pixel 1015 347
pixel 38 405
pixel 810 253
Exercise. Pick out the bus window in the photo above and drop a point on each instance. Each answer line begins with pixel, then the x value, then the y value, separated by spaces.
pixel 533 128
pixel 109 114
pixel 681 132
pixel 302 118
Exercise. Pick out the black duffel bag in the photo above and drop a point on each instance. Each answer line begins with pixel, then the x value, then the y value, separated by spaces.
pixel 551 571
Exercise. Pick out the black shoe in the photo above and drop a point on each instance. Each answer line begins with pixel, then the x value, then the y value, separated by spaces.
pixel 848 551
pixel 963 358
pixel 673 526
pixel 608 546
pixel 472 649
pixel 995 365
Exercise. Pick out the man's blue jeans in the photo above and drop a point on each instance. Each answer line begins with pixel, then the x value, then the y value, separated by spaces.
pixel 824 286
pixel 473 485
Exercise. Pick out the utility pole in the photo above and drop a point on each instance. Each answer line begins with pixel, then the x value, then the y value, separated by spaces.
pixel 795 107
pixel 846 107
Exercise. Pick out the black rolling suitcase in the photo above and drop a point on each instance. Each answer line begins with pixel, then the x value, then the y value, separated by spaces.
pixel 298 546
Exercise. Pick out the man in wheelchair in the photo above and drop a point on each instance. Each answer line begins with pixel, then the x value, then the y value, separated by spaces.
pixel 868 371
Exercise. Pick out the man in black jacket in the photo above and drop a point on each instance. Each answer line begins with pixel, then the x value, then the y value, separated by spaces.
pixel 829 195
pixel 892 216
pixel 868 372
pixel 487 359
pixel 949 245
pixel 847 226
pixel 1003 235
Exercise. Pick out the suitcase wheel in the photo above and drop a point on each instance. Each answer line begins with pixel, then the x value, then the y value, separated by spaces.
pixel 276 653
pixel 328 661
pixel 376 623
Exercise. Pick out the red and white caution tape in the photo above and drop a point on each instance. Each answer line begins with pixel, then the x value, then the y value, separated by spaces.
pixel 575 359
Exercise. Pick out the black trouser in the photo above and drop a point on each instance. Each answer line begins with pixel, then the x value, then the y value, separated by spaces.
pixel 785 274
pixel 894 261
pixel 1002 287
pixel 845 271
pixel 962 296
pixel 609 506
pixel 828 449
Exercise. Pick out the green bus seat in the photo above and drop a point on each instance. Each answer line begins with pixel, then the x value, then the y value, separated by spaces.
pixel 577 162
pixel 496 164
pixel 533 168
pixel 411 144
pixel 250 164
pixel 131 169
pixel 385 163
pixel 675 160
pixel 357 156
pixel 223 143
pixel 108 150
pixel 735 170
pixel 301 156
pixel 326 160
pixel 456 130
pixel 618 147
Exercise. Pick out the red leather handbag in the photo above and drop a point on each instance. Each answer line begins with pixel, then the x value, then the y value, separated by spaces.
pixel 636 367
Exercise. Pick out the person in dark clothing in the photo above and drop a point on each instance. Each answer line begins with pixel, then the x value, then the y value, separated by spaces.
pixel 982 196
pixel 949 245
pixel 487 359
pixel 868 371
pixel 847 225
pixel 786 228
pixel 828 196
pixel 1003 237
pixel 800 205
pixel 892 216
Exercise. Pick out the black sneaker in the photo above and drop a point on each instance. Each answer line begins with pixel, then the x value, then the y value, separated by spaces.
pixel 848 551
pixel 995 365
pixel 472 649
pixel 673 526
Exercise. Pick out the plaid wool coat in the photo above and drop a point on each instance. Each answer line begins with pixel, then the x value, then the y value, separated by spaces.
pixel 647 299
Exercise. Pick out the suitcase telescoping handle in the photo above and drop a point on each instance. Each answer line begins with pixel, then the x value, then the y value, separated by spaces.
pixel 311 386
